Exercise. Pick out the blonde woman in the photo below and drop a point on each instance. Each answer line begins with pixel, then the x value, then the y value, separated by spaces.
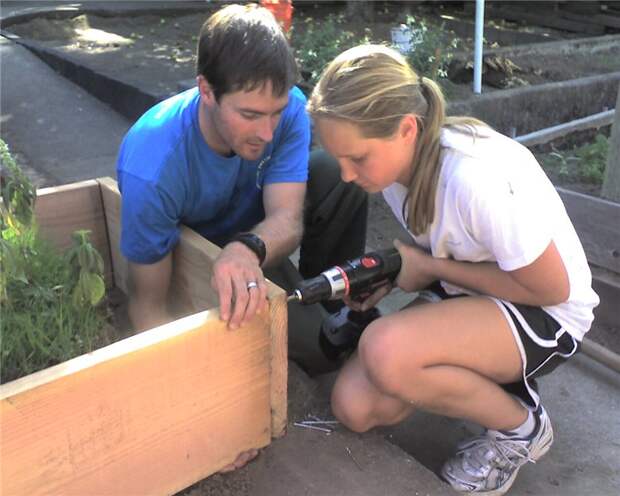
pixel 489 235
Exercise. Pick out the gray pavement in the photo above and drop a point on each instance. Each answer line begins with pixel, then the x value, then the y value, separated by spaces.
pixel 63 134
pixel 56 128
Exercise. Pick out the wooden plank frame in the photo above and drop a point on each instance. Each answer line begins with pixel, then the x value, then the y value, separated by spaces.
pixel 153 413
pixel 596 221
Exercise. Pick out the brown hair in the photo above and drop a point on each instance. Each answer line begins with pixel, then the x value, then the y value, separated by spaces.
pixel 374 87
pixel 243 47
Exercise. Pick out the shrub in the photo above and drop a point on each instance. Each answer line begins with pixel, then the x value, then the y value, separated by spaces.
pixel 593 159
pixel 432 49
pixel 321 42
pixel 584 163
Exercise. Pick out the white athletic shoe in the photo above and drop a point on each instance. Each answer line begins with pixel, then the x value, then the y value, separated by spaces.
pixel 489 464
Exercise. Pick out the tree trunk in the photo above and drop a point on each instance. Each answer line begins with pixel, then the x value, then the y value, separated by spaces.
pixel 611 183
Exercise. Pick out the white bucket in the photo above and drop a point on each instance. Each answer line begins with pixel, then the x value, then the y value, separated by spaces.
pixel 402 38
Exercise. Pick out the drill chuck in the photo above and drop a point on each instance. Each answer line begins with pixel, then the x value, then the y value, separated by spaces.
pixel 353 278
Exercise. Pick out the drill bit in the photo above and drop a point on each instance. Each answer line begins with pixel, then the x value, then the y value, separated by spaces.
pixel 295 296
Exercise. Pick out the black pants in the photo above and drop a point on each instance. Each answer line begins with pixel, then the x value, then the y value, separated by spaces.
pixel 335 217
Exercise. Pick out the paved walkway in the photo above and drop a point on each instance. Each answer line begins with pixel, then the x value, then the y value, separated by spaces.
pixel 55 127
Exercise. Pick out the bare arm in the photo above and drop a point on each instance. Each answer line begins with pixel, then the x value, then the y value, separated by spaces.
pixel 237 265
pixel 283 225
pixel 542 283
pixel 148 294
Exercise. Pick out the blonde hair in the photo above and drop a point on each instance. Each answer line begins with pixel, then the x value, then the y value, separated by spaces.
pixel 373 87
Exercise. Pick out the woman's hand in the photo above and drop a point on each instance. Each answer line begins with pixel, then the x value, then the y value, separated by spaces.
pixel 415 272
pixel 371 300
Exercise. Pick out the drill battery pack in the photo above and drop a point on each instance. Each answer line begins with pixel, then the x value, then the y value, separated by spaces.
pixel 341 331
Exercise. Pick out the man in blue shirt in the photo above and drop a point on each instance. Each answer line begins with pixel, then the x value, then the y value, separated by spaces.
pixel 229 159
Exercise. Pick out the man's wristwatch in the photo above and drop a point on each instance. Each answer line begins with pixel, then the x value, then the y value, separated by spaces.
pixel 254 243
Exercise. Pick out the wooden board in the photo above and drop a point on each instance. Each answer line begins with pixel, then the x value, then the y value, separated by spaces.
pixel 193 265
pixel 61 210
pixel 606 284
pixel 193 258
pixel 148 415
pixel 597 223
pixel 156 412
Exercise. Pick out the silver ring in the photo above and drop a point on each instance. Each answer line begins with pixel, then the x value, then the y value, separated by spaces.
pixel 252 284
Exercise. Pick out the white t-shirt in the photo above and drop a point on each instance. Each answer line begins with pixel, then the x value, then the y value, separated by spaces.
pixel 494 203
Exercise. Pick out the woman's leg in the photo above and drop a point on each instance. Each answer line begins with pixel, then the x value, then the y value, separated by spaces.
pixel 447 358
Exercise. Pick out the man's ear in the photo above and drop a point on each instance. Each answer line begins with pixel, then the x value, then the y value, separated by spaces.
pixel 206 92
pixel 408 128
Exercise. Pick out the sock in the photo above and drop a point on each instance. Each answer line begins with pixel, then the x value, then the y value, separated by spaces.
pixel 526 428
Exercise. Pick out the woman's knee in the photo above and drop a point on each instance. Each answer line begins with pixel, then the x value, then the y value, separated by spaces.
pixel 382 356
pixel 350 407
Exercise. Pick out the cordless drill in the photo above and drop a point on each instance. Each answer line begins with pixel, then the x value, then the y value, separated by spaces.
pixel 357 279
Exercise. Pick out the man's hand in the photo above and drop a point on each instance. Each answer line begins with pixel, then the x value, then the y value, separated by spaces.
pixel 240 284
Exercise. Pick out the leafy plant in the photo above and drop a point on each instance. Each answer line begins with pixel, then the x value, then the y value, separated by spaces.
pixel 48 301
pixel 321 42
pixel 556 161
pixel 585 163
pixel 432 48
pixel 593 159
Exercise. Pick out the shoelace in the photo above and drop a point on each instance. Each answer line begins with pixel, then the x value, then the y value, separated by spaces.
pixel 479 449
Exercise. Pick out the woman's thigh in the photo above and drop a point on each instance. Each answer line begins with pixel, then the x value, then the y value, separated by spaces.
pixel 468 332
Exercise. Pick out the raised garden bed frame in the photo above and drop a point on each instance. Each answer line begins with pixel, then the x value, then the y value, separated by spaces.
pixel 158 411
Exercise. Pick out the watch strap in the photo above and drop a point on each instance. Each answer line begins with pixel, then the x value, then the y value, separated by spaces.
pixel 254 243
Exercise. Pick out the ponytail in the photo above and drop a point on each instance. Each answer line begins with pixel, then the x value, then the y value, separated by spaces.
pixel 420 198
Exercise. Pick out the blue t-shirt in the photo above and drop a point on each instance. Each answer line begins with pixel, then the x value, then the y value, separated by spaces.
pixel 168 176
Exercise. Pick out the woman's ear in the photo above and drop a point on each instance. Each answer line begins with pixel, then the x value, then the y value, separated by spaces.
pixel 408 128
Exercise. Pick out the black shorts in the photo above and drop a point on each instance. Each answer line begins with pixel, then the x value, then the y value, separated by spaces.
pixel 543 343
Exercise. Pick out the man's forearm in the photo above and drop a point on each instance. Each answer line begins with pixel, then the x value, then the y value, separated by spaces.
pixel 148 293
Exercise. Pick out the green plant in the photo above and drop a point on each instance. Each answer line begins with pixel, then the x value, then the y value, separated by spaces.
pixel 584 163
pixel 556 161
pixel 48 301
pixel 432 49
pixel 319 43
pixel 593 159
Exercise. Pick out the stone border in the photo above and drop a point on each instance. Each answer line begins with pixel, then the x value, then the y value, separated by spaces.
pixel 530 108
